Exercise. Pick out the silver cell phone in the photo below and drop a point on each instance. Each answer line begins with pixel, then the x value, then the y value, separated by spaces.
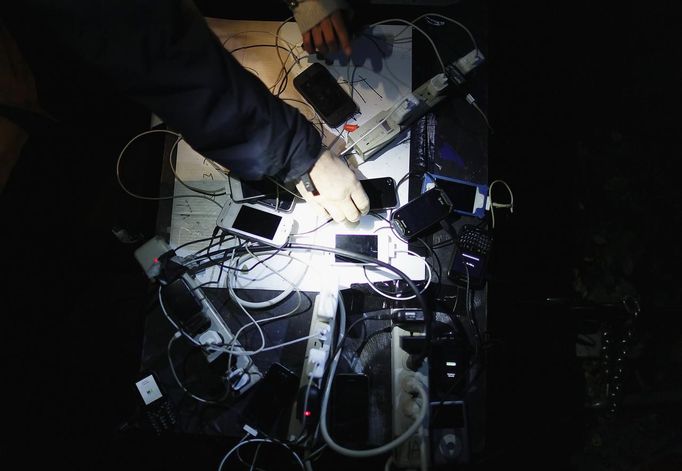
pixel 260 224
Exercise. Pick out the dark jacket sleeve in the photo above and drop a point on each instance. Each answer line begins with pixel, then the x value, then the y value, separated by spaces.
pixel 162 53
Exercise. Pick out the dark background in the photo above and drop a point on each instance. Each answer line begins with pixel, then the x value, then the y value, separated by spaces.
pixel 583 102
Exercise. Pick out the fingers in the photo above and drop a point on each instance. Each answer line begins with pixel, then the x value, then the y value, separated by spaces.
pixel 340 28
pixel 328 35
pixel 317 38
pixel 308 45
pixel 319 208
pixel 349 210
pixel 360 200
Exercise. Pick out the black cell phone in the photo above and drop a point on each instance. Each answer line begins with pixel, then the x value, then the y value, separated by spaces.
pixel 421 213
pixel 350 409
pixel 319 88
pixel 267 193
pixel 183 306
pixel 449 433
pixel 381 193
pixel 157 408
pixel 270 402
pixel 471 256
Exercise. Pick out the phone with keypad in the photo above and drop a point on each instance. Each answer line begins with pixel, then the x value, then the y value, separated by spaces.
pixel 470 260
pixel 158 410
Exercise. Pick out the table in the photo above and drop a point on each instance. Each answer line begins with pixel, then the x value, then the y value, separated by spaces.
pixel 445 129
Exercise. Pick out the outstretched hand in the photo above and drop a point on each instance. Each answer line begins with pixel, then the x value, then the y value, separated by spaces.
pixel 341 195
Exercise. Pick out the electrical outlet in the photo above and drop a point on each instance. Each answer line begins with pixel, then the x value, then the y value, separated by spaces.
pixel 322 326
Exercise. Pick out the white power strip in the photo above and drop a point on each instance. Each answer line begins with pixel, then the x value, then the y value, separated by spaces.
pixel 382 128
pixel 406 407
pixel 385 126
pixel 318 348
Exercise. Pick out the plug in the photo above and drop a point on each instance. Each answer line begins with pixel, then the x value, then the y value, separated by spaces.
pixel 326 304
pixel 318 358
pixel 392 250
pixel 470 61
pixel 323 332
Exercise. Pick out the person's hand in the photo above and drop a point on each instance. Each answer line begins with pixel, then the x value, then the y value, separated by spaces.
pixel 341 195
pixel 328 35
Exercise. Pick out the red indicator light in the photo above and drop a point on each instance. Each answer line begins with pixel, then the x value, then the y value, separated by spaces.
pixel 307 413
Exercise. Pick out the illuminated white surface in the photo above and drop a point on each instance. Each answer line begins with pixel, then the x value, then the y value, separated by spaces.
pixel 194 218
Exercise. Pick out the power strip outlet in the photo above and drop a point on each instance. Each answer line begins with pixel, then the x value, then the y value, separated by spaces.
pixel 318 347
pixel 372 136
pixel 384 127
pixel 406 407
pixel 147 256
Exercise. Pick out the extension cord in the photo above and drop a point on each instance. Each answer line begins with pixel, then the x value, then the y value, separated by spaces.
pixel 147 256
pixel 318 347
pixel 386 125
pixel 405 406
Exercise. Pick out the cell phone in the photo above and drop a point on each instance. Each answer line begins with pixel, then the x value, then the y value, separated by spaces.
pixel 183 306
pixel 381 192
pixel 153 400
pixel 271 399
pixel 449 433
pixel 421 213
pixel 256 223
pixel 467 198
pixel 370 245
pixel 265 192
pixel 319 88
pixel 471 256
pixel 349 417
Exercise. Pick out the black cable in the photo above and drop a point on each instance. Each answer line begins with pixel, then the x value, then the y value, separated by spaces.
pixel 312 230
pixel 256 45
pixel 206 239
pixel 428 315
pixel 365 341
pixel 437 259
pixel 197 397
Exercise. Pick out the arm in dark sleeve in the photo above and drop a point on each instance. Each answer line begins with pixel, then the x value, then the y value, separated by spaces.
pixel 162 53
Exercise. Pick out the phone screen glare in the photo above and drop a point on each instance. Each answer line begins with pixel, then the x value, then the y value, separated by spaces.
pixel 367 245
pixel 259 223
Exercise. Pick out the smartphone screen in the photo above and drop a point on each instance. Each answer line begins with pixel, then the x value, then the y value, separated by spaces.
pixel 360 243
pixel 350 409
pixel 381 193
pixel 260 223
pixel 319 88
